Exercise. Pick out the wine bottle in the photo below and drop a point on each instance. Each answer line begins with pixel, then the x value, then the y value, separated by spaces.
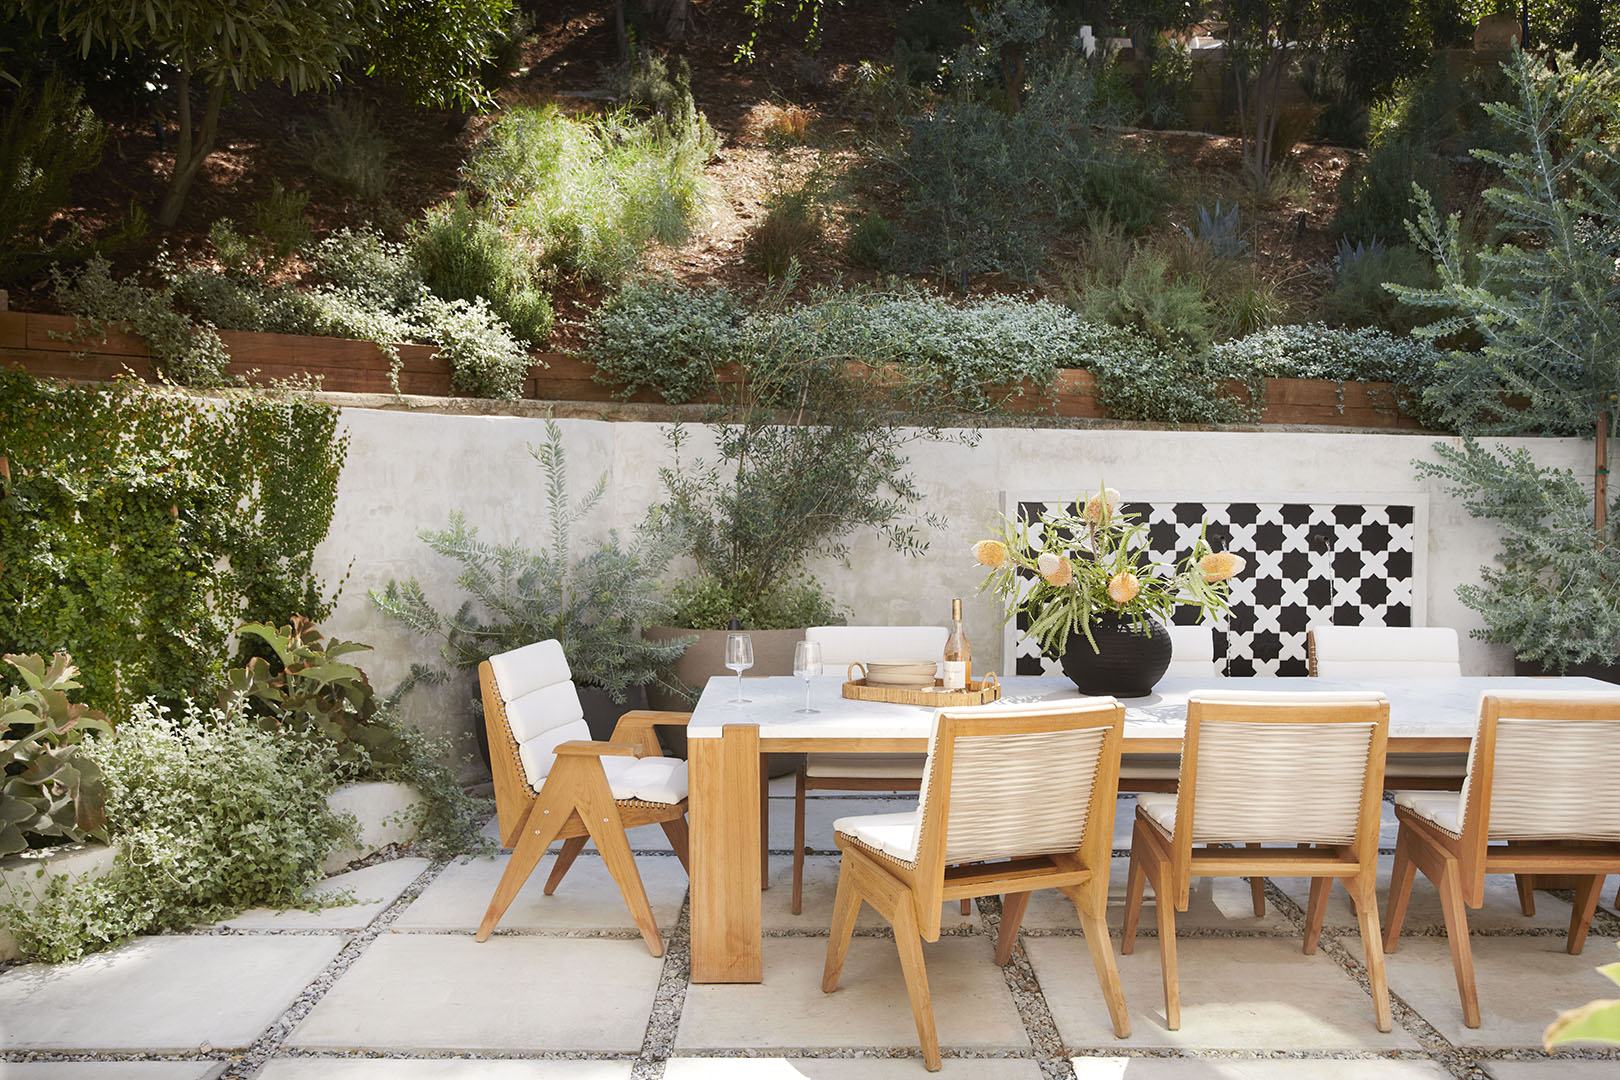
pixel 958 654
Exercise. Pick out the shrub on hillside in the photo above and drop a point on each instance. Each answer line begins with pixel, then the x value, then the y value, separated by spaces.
pixel 792 223
pixel 349 149
pixel 46 139
pixel 464 255
pixel 664 337
pixel 1358 296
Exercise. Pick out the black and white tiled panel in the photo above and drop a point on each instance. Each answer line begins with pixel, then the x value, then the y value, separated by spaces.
pixel 1342 563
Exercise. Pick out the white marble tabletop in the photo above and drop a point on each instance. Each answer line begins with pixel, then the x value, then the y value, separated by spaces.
pixel 1418 708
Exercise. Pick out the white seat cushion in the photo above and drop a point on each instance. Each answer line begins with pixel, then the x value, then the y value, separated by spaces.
pixel 1160 806
pixel 866 766
pixel 1150 767
pixel 650 779
pixel 893 834
pixel 1360 652
pixel 1452 766
pixel 1443 808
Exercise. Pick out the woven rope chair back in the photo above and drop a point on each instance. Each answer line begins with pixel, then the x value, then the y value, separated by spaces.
pixel 1279 768
pixel 1556 768
pixel 1025 789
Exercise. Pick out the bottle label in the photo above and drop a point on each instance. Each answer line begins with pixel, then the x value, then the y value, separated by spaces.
pixel 956 674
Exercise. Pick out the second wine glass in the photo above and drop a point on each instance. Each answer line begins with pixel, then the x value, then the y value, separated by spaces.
pixel 806 665
pixel 739 658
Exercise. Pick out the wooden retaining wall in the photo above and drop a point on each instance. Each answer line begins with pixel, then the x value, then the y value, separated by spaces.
pixel 43 345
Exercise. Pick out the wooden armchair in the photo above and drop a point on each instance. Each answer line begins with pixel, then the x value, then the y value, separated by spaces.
pixel 1305 770
pixel 1540 798
pixel 553 783
pixel 1013 800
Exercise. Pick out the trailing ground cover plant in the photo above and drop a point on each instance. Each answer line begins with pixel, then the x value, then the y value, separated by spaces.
pixel 656 334
pixel 51 791
pixel 139 527
pixel 594 602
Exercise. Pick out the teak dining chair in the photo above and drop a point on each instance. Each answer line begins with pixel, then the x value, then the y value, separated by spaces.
pixel 1013 800
pixel 1402 652
pixel 1540 798
pixel 1305 770
pixel 840 647
pixel 552 782
pixel 1192 655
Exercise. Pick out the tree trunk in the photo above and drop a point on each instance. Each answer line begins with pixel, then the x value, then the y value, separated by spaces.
pixel 192 149
pixel 675 24
pixel 1600 480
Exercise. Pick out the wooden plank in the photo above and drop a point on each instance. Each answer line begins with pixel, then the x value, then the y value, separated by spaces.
pixel 727 942
pixel 13 330
pixel 55 332
pixel 53 364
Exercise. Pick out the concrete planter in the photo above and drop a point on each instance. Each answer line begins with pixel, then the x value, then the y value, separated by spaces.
pixel 387 813
pixel 773 655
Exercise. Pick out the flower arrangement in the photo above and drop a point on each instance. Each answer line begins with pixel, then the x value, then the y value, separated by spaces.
pixel 1095 564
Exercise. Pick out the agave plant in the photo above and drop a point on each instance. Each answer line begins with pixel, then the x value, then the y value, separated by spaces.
pixel 50 790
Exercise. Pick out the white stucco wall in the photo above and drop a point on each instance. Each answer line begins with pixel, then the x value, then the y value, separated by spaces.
pixel 408 470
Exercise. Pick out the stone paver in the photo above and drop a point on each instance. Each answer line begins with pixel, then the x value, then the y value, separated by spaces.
pixel 845 1069
pixel 1239 1069
pixel 820 884
pixel 1236 994
pixel 108 1070
pixel 1500 912
pixel 1552 1070
pixel 160 994
pixel 972 1006
pixel 512 993
pixel 1523 983
pixel 587 898
pixel 374 888
pixel 1215 904
pixel 308 1068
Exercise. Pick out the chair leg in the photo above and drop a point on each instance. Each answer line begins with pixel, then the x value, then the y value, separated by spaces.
pixel 614 845
pixel 1580 916
pixel 967 907
pixel 1135 879
pixel 764 821
pixel 565 858
pixel 1462 953
pixel 846 906
pixel 1166 910
pixel 680 839
pixel 909 941
pixel 533 840
pixel 1094 923
pixel 798 842
pixel 1372 944
pixel 1527 893
pixel 1316 912
pixel 1402 875
pixel 1012 916
pixel 1257 888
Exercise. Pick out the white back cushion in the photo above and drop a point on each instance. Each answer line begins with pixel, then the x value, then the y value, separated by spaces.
pixel 1351 652
pixel 1556 779
pixel 1192 652
pixel 842 646
pixel 1284 783
pixel 542 706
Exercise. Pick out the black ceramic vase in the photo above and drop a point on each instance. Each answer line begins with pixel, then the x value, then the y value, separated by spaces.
pixel 1127 661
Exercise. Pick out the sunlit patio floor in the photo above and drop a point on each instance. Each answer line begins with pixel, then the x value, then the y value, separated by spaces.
pixel 394 985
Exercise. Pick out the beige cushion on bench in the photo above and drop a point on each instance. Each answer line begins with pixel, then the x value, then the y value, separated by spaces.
pixel 895 835
pixel 1443 808
pixel 866 766
pixel 649 779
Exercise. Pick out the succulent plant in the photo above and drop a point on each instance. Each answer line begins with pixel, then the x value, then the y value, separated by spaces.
pixel 50 790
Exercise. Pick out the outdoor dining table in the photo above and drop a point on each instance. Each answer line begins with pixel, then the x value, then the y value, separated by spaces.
pixel 726 739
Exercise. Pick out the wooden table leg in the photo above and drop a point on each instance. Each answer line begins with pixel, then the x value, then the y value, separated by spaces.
pixel 724 808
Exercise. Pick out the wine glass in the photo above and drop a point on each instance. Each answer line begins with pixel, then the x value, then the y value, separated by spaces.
pixel 739 658
pixel 807 663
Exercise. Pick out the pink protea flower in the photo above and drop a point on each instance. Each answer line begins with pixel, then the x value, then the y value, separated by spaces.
pixel 1220 565
pixel 992 553
pixel 1054 568
pixel 1123 587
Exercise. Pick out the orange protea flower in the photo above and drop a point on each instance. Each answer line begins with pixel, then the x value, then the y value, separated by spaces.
pixel 1101 506
pixel 1123 587
pixel 991 553
pixel 1220 566
pixel 1055 569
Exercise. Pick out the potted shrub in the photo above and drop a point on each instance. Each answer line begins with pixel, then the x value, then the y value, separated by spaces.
pixel 594 604
pixel 809 447
pixel 1097 602
pixel 1554 593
